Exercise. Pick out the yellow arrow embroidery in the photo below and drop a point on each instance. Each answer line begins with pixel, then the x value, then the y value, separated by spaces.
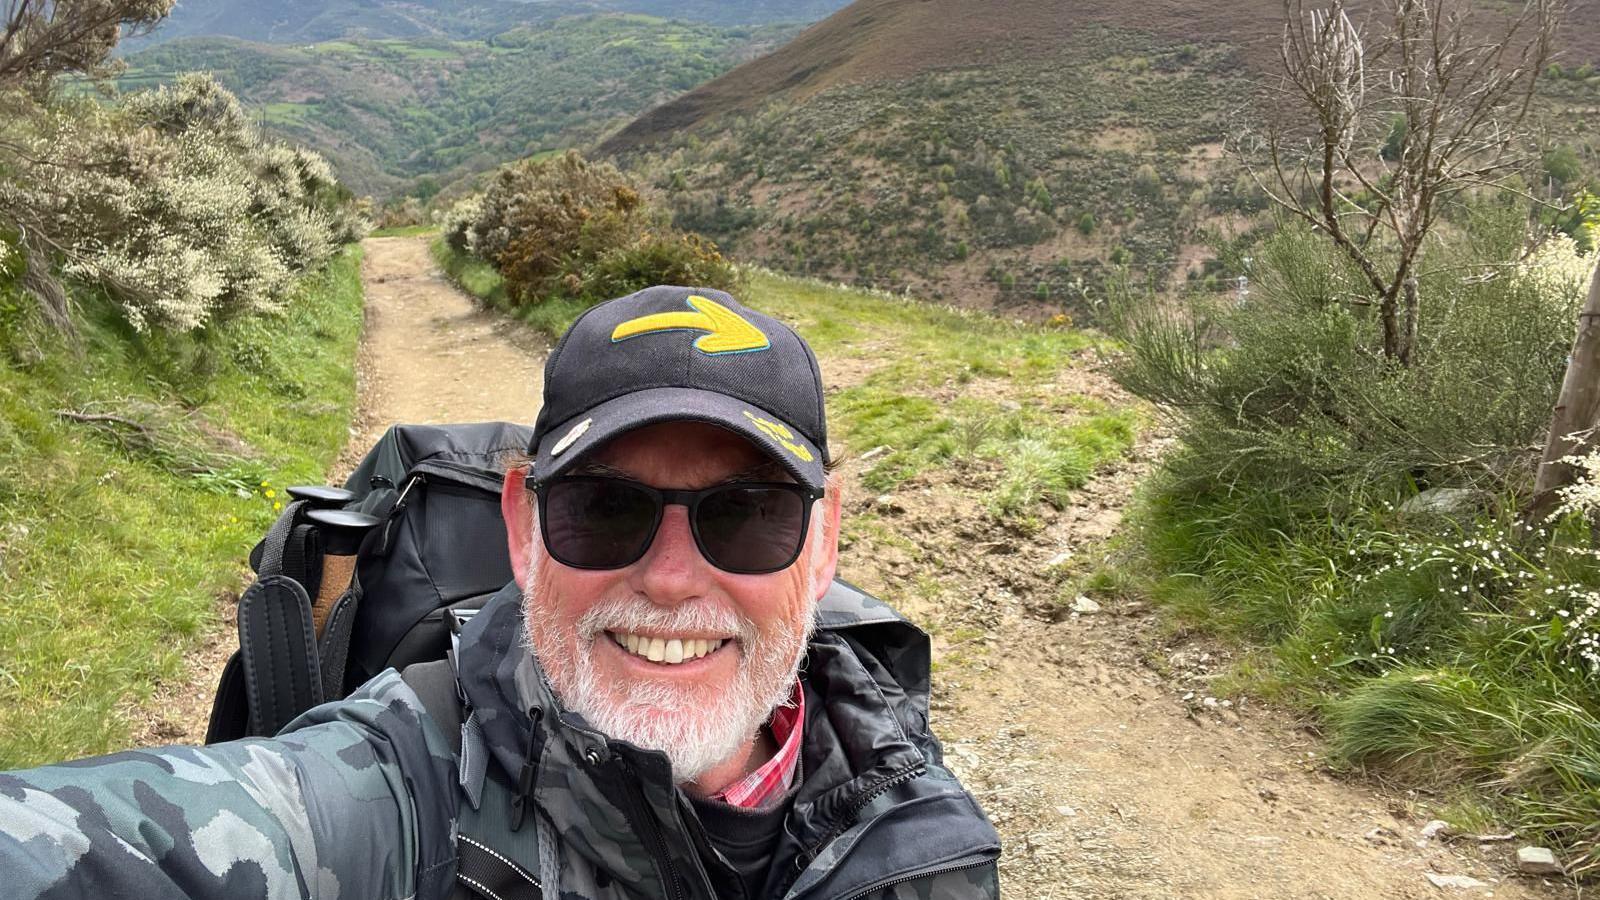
pixel 726 331
pixel 780 434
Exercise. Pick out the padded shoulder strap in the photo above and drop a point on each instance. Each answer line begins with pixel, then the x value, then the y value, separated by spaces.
pixel 278 651
pixel 482 873
pixel 435 685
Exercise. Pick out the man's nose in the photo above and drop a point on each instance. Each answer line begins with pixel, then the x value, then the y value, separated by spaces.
pixel 672 570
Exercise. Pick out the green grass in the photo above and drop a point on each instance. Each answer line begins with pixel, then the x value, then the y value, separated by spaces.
pixel 287 113
pixel 1436 655
pixel 1006 419
pixel 112 551
pixel 479 279
pixel 404 231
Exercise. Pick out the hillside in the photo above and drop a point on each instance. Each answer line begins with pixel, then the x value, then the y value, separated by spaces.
pixel 388 112
pixel 298 22
pixel 984 153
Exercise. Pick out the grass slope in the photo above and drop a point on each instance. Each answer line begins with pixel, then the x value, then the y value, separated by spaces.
pixel 1022 180
pixel 411 115
pixel 116 542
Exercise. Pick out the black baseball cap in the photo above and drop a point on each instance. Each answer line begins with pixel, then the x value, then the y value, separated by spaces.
pixel 679 353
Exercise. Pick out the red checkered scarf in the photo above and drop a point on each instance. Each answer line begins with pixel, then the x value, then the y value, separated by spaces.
pixel 776 775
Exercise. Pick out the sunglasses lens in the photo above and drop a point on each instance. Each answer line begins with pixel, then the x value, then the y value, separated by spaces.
pixel 597 524
pixel 751 529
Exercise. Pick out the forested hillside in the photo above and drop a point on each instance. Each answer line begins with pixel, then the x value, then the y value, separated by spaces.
pixel 1009 152
pixel 409 116
pixel 295 21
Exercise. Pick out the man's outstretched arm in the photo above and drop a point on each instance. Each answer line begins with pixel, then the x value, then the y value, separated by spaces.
pixel 354 800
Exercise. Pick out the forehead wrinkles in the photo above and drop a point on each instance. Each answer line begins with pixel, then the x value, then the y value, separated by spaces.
pixel 686 454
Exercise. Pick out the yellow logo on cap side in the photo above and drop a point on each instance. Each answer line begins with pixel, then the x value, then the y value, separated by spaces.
pixel 780 434
pixel 726 331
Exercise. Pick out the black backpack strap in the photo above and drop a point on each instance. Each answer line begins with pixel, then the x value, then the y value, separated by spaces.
pixel 290 547
pixel 280 665
pixel 278 653
pixel 482 873
pixel 435 685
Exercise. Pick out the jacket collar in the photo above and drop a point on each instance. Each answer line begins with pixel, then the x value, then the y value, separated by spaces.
pixel 865 733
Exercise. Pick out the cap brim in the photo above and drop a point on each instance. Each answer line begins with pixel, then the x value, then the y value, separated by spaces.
pixel 567 443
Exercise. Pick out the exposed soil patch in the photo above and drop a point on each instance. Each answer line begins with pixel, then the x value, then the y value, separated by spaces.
pixel 1089 737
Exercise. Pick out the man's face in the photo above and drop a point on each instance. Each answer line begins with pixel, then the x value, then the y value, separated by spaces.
pixel 739 638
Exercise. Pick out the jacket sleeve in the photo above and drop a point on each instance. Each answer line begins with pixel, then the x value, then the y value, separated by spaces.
pixel 354 799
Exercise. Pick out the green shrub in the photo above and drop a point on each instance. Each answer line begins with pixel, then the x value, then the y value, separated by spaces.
pixel 1445 648
pixel 570 228
pixel 683 259
pixel 171 201
pixel 1290 385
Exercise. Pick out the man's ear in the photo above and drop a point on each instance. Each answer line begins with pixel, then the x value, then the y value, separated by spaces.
pixel 826 560
pixel 517 510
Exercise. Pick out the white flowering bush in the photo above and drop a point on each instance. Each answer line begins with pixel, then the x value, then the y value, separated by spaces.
pixel 174 203
pixel 1536 590
pixel 1559 267
pixel 458 223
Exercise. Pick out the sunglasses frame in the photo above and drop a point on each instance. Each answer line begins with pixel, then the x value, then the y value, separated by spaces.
pixel 691 500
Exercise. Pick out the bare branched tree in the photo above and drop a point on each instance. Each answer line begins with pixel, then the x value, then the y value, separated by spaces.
pixel 1381 124
pixel 43 38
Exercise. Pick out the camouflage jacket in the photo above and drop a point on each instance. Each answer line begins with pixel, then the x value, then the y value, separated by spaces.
pixel 364 798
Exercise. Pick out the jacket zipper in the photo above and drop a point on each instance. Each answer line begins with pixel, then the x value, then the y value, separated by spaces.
pixel 644 821
pixel 914 876
pixel 915 770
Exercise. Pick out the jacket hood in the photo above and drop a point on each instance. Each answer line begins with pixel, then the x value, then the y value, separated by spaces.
pixel 867 755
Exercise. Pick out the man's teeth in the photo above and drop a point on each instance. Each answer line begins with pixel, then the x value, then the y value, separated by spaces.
pixel 666 650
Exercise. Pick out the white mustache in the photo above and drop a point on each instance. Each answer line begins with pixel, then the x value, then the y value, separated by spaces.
pixel 631 614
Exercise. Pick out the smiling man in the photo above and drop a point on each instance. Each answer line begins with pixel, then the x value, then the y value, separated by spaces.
pixel 674 698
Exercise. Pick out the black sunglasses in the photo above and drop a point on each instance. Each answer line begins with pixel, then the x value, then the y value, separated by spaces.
pixel 746 527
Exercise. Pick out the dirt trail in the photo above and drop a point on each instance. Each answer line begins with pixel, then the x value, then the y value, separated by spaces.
pixel 428 354
pixel 1087 737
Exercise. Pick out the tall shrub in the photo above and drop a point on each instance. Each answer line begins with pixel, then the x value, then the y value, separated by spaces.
pixel 569 227
pixel 172 202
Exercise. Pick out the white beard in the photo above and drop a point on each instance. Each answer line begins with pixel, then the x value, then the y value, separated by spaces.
pixel 696 726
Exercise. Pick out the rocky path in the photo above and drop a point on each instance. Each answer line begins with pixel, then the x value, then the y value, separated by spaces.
pixel 1089 737
pixel 428 354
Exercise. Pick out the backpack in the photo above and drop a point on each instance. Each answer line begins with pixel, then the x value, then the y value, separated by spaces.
pixel 436 553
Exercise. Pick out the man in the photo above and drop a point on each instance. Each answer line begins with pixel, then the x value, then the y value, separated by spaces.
pixel 673 698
